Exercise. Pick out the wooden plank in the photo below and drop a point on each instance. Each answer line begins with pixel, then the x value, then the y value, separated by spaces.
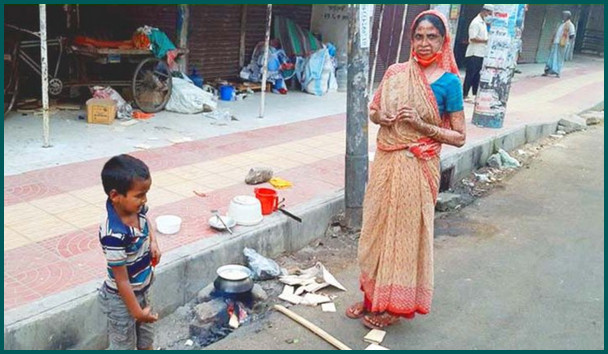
pixel 243 35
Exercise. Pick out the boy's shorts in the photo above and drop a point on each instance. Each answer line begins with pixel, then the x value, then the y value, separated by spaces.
pixel 124 332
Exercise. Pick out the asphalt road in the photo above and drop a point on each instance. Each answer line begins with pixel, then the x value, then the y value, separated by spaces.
pixel 526 270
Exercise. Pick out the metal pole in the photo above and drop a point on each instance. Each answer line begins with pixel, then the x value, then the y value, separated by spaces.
pixel 373 74
pixel 44 66
pixel 77 16
pixel 356 115
pixel 265 62
pixel 498 66
pixel 243 34
pixel 402 32
pixel 182 37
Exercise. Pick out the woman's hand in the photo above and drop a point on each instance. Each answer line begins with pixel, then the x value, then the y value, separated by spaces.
pixel 383 118
pixel 410 115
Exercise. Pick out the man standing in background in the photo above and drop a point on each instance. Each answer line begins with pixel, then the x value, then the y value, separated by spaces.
pixel 564 37
pixel 476 50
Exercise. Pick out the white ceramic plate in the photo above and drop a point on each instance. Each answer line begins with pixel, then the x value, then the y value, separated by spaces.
pixel 215 222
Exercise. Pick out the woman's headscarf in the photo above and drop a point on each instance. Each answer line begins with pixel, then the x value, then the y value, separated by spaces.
pixel 446 59
pixel 406 84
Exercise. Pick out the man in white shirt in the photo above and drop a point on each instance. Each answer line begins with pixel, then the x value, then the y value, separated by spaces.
pixel 476 50
pixel 563 39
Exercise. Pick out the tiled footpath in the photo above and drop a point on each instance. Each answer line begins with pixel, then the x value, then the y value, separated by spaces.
pixel 51 215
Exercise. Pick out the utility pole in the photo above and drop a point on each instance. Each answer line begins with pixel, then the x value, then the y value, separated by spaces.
pixel 357 114
pixel 378 36
pixel 265 60
pixel 499 64
pixel 183 23
pixel 44 73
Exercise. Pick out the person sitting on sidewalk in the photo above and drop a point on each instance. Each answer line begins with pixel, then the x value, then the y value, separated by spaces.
pixel 131 252
pixel 476 50
pixel 563 39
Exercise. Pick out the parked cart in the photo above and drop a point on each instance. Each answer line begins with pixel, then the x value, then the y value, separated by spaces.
pixel 150 82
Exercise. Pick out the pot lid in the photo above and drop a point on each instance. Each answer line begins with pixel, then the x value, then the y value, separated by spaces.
pixel 233 272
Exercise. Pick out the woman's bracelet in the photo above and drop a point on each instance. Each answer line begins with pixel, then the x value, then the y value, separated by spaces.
pixel 435 132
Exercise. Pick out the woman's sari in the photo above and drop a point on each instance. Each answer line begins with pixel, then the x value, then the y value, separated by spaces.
pixel 396 245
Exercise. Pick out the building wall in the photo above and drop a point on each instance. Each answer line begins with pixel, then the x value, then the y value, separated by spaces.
pixel 553 18
pixel 390 33
pixel 533 25
pixel 215 33
pixel 590 34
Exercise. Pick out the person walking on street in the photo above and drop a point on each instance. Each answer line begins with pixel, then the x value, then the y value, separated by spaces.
pixel 419 107
pixel 476 50
pixel 563 39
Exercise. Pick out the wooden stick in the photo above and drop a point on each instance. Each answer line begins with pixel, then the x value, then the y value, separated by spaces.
pixel 243 35
pixel 403 19
pixel 265 62
pixel 312 327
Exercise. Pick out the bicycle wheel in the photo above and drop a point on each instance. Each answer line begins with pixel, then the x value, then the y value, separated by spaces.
pixel 152 85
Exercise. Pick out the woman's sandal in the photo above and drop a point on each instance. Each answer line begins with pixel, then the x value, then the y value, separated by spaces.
pixel 379 321
pixel 356 311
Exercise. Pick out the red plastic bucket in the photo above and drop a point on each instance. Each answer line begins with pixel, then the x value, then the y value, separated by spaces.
pixel 269 199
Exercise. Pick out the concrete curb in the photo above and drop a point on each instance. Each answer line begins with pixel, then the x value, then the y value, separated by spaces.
pixel 73 320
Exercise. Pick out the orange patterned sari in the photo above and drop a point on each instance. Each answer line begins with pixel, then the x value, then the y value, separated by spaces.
pixel 396 245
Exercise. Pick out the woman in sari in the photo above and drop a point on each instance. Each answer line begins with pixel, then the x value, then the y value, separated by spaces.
pixel 418 106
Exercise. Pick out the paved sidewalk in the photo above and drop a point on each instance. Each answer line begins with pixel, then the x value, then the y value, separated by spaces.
pixel 51 215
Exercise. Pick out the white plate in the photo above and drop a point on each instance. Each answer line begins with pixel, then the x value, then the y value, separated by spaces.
pixel 215 222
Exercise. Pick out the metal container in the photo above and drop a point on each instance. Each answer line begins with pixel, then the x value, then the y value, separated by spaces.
pixel 233 279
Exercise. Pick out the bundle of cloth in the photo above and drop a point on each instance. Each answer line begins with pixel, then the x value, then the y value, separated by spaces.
pixel 279 67
pixel 146 37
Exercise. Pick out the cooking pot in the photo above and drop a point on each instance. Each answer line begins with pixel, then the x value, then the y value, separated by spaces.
pixel 233 279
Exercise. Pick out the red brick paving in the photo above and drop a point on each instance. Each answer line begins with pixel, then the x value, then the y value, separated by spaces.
pixel 51 266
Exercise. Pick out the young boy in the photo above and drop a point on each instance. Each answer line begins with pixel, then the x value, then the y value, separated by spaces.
pixel 131 250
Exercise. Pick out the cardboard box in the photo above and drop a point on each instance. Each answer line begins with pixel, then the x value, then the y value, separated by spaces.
pixel 101 111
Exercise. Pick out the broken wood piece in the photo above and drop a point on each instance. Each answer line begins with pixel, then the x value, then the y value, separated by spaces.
pixel 375 347
pixel 287 290
pixel 329 278
pixel 375 336
pixel 311 288
pixel 184 139
pixel 314 287
pixel 312 327
pixel 199 194
pixel 328 307
pixel 296 280
pixel 314 299
pixel 234 321
pixel 289 296
pixel 68 107
pixel 129 123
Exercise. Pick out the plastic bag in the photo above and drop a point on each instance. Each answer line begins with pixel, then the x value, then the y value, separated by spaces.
pixel 123 109
pixel 188 98
pixel 220 116
pixel 262 267
pixel 317 73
